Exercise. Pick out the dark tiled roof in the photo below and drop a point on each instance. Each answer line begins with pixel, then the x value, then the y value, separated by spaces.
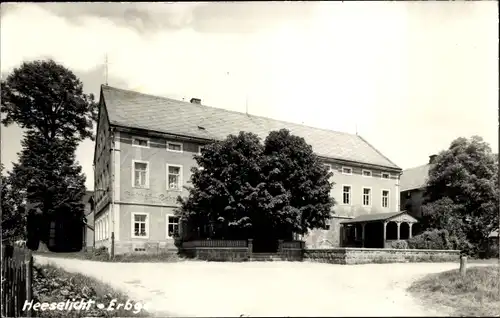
pixel 373 217
pixel 136 110
pixel 414 178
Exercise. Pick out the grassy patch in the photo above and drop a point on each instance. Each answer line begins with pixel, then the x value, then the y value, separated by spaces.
pixel 100 256
pixel 476 295
pixel 52 284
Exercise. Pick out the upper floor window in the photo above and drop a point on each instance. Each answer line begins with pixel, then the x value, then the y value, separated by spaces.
pixel 172 225
pixel 367 173
pixel 386 175
pixel 346 194
pixel 328 167
pixel 346 170
pixel 140 142
pixel 174 146
pixel 199 149
pixel 140 174
pixel 385 198
pixel 174 177
pixel 367 196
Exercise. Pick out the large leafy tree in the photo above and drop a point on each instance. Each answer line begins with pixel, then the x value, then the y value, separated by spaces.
pixel 47 101
pixel 246 189
pixel 462 191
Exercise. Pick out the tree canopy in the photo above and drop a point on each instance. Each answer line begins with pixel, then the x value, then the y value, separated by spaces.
pixel 47 101
pixel 462 191
pixel 247 189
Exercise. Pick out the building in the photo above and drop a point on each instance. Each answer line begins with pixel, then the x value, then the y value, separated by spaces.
pixel 144 151
pixel 413 183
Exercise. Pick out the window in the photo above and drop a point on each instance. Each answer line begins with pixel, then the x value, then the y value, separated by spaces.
pixel 172 226
pixel 174 146
pixel 385 198
pixel 367 173
pixel 328 167
pixel 346 170
pixel 386 175
pixel 140 225
pixel 367 196
pixel 199 149
pixel 174 176
pixel 140 142
pixel 140 177
pixel 346 194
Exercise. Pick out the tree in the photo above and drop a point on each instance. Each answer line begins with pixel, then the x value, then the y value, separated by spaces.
pixel 13 220
pixel 462 191
pixel 244 189
pixel 47 101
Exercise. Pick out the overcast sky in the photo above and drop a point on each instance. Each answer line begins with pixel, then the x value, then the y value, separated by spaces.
pixel 412 76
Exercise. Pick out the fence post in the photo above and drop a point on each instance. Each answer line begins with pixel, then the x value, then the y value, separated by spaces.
pixel 463 265
pixel 29 281
pixel 250 248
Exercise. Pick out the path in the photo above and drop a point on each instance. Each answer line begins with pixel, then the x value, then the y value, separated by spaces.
pixel 264 288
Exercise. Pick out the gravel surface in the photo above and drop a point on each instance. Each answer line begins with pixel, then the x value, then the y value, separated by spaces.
pixel 202 289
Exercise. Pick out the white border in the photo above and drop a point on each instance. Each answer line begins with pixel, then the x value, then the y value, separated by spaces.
pixel 133 174
pixel 166 225
pixel 388 198
pixel 363 173
pixel 175 143
pixel 348 174
pixel 140 138
pixel 382 175
pixel 363 194
pixel 199 149
pixel 132 221
pixel 180 177
pixel 350 194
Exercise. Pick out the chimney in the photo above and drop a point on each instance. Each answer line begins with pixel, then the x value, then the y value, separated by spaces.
pixel 432 158
pixel 195 101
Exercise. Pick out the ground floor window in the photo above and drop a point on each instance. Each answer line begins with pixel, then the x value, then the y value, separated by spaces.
pixel 172 226
pixel 140 225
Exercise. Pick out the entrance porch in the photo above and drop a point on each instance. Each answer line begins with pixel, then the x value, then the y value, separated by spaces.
pixel 377 230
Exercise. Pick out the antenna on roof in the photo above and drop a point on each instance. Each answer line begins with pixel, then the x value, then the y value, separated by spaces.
pixel 246 104
pixel 106 69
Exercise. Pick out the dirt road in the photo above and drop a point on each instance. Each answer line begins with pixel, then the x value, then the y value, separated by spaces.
pixel 264 289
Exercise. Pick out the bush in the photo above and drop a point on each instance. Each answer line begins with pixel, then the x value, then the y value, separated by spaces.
pixel 400 245
pixel 438 240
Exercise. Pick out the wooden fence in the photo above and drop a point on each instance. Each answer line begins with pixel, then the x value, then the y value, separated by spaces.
pixel 17 274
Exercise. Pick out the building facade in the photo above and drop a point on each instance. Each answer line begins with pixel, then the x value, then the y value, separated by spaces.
pixel 144 155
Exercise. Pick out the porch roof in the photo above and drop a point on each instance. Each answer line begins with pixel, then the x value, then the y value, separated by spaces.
pixel 377 217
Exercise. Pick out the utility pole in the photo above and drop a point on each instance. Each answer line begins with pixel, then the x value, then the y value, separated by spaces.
pixel 106 69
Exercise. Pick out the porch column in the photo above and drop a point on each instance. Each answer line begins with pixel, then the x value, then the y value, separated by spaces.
pixel 399 228
pixel 385 232
pixel 409 234
pixel 363 234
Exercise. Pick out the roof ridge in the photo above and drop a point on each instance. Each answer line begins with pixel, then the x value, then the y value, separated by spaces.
pixel 416 167
pixel 237 112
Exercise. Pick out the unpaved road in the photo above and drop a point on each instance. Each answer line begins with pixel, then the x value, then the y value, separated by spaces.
pixel 264 288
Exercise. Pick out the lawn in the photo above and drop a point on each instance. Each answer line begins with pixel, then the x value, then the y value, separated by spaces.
pixel 476 295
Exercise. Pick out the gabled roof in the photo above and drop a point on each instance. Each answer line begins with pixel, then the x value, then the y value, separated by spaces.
pixel 414 178
pixel 378 217
pixel 136 110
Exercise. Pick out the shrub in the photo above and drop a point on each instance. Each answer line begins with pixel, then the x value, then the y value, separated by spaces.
pixel 438 240
pixel 400 245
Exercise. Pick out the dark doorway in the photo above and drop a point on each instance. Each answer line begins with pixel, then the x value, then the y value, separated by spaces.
pixel 265 246
pixel 374 236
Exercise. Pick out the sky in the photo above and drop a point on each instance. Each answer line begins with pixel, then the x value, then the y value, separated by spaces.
pixel 409 77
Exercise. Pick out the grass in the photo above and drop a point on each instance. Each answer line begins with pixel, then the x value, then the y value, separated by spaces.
pixel 102 256
pixel 52 284
pixel 476 295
